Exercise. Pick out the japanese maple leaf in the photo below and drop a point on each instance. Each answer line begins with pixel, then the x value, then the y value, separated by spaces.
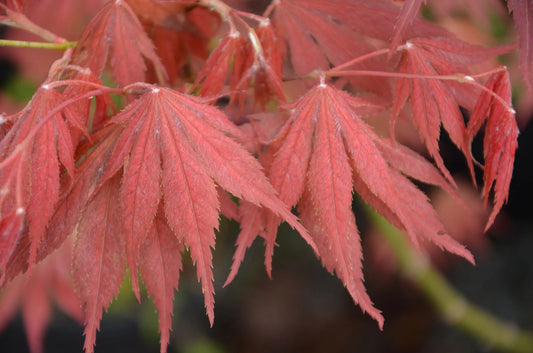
pixel 75 194
pixel 168 150
pixel 410 10
pixel 33 154
pixel 479 12
pixel 522 11
pixel 500 140
pixel 270 44
pixel 49 281
pixel 98 257
pixel 434 102
pixel 88 214
pixel 255 59
pixel 17 5
pixel 325 151
pixel 407 14
pixel 307 27
pixel 215 70
pixel 253 222
pixel 160 264
pixel 115 34
pixel 94 110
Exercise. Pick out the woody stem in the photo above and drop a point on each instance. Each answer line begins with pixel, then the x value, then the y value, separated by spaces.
pixel 37 45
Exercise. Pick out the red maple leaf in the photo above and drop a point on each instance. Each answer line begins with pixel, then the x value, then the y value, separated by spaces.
pixel 323 153
pixel 99 265
pixel 74 196
pixel 36 151
pixel 256 58
pixel 434 102
pixel 115 34
pixel 163 155
pixel 17 5
pixel 160 264
pixel 50 280
pixel 500 141
pixel 523 19
pixel 307 27
pixel 181 34
pixel 215 70
pixel 407 14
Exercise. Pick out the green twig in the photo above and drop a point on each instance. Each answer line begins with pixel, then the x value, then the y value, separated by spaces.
pixel 38 45
pixel 453 307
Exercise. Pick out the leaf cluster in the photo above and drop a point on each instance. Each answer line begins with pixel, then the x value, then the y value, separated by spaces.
pixel 132 187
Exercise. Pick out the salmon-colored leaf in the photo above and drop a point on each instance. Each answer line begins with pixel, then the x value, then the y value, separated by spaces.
pixel 324 152
pixel 18 5
pixel 252 224
pixel 36 312
pixel 160 265
pixel 500 141
pixel 215 71
pixel 116 35
pixel 408 12
pixel 415 166
pixel 174 149
pixel 308 30
pixel 10 228
pixel 50 281
pixel 99 254
pixel 436 103
pixel 522 11
pixel 33 152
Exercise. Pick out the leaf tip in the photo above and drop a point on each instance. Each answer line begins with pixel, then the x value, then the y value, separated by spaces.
pixel 381 321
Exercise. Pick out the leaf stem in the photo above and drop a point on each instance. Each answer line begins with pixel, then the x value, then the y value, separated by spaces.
pixel 20 148
pixel 38 45
pixel 458 77
pixel 257 18
pixel 359 59
pixel 273 4
pixel 221 8
pixel 454 308
pixel 217 6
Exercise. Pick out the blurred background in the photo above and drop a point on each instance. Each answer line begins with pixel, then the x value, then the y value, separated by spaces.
pixel 304 308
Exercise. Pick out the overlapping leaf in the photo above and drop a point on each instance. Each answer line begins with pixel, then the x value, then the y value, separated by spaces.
pixel 325 151
pixel 115 34
pixel 32 153
pixel 407 15
pixel 17 5
pixel 434 102
pixel 170 149
pixel 500 141
pixel 74 197
pixel 50 282
pixel 258 62
pixel 523 18
pixel 215 70
pixel 307 27
pixel 160 264
pixel 99 259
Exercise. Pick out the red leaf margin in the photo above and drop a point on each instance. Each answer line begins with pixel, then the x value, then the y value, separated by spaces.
pixel 500 141
pixel 168 150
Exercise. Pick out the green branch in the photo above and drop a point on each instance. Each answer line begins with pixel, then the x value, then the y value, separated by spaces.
pixel 38 45
pixel 453 307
